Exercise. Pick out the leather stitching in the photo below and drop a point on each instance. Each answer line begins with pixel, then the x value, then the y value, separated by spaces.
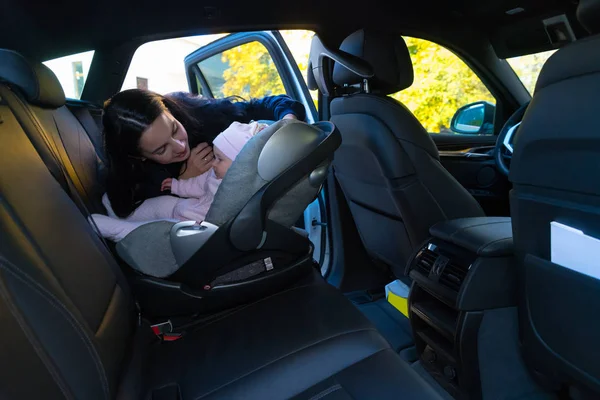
pixel 486 245
pixel 389 101
pixel 252 305
pixel 34 343
pixel 465 228
pixel 56 304
pixel 292 353
pixel 326 392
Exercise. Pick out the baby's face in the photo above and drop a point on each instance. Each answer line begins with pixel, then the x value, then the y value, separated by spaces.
pixel 221 163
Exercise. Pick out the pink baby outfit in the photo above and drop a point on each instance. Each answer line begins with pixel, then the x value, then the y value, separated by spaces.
pixel 195 194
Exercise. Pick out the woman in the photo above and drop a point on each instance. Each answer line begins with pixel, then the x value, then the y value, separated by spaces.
pixel 150 137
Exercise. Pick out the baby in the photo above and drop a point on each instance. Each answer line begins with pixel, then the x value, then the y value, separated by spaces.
pixel 195 194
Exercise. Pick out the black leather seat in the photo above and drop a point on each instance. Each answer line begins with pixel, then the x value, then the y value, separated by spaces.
pixel 554 170
pixel 388 166
pixel 71 325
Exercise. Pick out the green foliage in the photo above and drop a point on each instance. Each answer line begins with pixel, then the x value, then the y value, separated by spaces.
pixel 528 67
pixel 443 83
pixel 251 73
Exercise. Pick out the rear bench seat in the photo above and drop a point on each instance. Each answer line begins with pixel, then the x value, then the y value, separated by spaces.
pixel 71 328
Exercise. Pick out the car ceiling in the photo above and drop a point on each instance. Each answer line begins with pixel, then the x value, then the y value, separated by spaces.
pixel 51 29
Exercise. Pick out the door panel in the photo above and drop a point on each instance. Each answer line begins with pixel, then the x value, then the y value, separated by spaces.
pixel 475 169
pixel 451 141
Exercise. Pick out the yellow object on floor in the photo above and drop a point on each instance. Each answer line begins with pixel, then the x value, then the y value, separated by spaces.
pixel 397 296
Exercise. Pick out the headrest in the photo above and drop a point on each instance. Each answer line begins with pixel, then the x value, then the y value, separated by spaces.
pixel 386 53
pixel 35 81
pixel 320 66
pixel 588 14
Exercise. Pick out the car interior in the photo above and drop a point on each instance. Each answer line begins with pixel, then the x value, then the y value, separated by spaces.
pixel 493 225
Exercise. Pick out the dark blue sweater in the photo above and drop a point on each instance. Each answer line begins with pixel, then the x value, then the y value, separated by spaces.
pixel 271 108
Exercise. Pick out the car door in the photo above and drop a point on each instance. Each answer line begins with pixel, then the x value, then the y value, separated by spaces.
pixel 248 64
pixel 254 65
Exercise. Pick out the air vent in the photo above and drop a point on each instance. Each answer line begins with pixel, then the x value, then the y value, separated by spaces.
pixel 453 275
pixel 425 260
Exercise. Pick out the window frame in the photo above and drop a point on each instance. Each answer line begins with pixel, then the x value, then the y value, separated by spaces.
pixel 230 42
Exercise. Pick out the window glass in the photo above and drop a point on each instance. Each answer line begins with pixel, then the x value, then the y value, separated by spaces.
pixel 247 70
pixel 158 65
pixel 528 67
pixel 72 71
pixel 443 83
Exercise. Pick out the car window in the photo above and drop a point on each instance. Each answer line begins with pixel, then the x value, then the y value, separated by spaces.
pixel 443 83
pixel 247 70
pixel 72 71
pixel 158 65
pixel 528 67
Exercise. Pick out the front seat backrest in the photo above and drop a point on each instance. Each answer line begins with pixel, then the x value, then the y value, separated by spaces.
pixel 555 170
pixel 388 166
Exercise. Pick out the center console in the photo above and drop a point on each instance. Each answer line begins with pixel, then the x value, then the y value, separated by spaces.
pixel 465 268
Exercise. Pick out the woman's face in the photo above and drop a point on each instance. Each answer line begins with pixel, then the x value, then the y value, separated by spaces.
pixel 165 141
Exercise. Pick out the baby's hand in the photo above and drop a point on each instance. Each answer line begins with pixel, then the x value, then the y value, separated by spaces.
pixel 166 184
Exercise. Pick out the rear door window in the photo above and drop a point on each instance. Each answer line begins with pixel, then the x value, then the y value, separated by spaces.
pixel 72 71
pixel 247 70
pixel 158 65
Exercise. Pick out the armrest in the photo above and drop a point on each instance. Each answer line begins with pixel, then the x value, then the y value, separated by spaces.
pixel 484 236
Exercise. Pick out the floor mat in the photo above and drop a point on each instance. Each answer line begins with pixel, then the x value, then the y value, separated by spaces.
pixel 391 323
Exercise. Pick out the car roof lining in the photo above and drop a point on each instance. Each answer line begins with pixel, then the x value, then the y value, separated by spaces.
pixel 46 30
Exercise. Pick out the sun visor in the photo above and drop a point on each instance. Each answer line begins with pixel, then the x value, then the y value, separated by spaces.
pixel 535 35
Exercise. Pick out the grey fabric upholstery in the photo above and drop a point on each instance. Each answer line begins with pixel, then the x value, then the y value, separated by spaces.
pixel 37 82
pixel 554 172
pixel 243 180
pixel 389 170
pixel 147 249
pixel 388 55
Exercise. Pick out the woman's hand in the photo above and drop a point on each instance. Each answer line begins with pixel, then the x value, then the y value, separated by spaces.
pixel 200 161
pixel 166 184
pixel 290 116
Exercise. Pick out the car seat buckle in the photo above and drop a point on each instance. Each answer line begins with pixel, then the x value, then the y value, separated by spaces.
pixel 171 337
pixel 164 331
pixel 162 328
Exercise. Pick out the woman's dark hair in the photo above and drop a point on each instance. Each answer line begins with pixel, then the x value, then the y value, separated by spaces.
pixel 129 113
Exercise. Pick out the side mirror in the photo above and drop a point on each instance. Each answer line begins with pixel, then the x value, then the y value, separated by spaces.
pixel 474 119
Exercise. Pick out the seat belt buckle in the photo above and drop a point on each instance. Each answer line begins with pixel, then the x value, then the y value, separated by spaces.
pixel 164 331
pixel 162 328
pixel 171 337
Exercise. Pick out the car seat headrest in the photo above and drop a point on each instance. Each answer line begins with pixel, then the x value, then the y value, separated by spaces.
pixel 320 66
pixel 285 147
pixel 35 81
pixel 588 14
pixel 386 53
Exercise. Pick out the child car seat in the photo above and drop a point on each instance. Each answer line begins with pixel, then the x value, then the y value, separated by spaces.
pixel 246 246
